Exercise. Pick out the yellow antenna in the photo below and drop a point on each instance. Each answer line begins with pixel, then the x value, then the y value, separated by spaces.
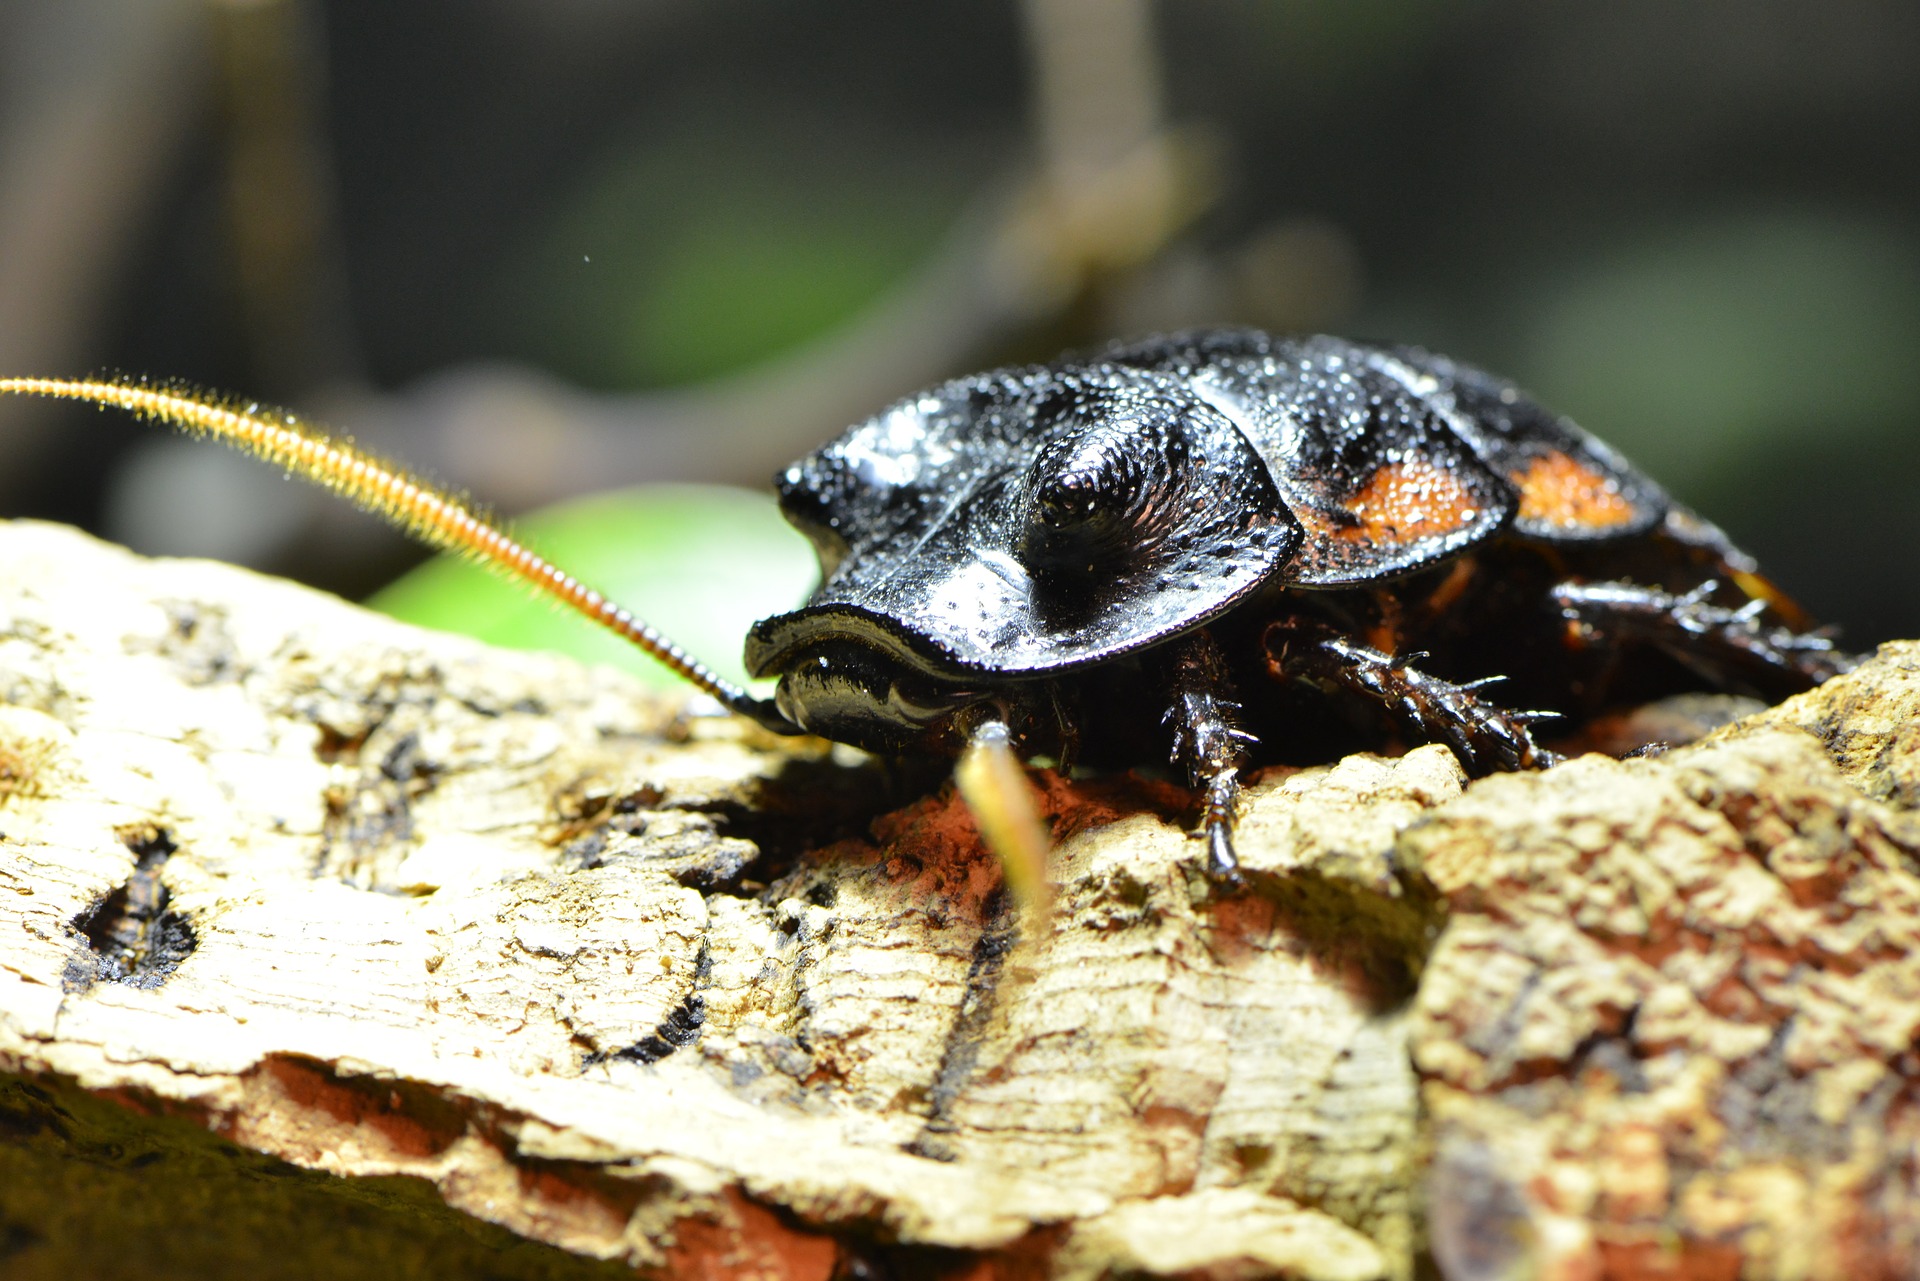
pixel 429 514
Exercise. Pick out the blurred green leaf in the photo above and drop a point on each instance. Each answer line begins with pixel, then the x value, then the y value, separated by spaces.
pixel 682 258
pixel 702 563
pixel 757 279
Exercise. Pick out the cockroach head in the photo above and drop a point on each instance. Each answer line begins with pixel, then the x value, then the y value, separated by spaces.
pixel 991 534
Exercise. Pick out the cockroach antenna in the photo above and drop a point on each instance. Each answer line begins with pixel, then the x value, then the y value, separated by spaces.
pixel 432 515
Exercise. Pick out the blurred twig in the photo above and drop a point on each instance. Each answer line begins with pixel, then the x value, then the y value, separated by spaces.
pixel 1108 187
pixel 96 98
pixel 280 195
pixel 1114 184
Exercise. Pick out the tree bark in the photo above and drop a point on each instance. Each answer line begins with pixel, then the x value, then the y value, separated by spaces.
pixel 336 946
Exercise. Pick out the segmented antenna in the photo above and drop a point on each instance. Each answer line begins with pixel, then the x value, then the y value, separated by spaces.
pixel 429 514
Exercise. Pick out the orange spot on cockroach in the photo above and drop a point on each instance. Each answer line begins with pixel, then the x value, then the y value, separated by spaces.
pixel 1404 503
pixel 1558 489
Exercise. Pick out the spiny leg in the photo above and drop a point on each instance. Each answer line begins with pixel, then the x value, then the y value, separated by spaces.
pixel 1485 737
pixel 1727 646
pixel 1208 743
pixel 994 786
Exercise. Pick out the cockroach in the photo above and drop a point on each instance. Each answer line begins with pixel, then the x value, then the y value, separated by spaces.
pixel 1188 546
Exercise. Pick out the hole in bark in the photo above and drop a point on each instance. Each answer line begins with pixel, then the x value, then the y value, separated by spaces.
pixel 132 935
pixel 681 1027
pixel 1252 1157
pixel 678 1030
pixel 882 1261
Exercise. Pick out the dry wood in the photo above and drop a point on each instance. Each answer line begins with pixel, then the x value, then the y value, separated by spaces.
pixel 295 889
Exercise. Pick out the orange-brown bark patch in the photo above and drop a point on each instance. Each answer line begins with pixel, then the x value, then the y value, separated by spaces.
pixel 1558 489
pixel 748 1242
pixel 377 1114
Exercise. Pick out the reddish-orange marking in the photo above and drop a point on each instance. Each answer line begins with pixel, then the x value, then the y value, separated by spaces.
pixel 1558 489
pixel 1403 503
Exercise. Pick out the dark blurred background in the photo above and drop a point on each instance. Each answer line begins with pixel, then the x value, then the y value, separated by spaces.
pixel 543 246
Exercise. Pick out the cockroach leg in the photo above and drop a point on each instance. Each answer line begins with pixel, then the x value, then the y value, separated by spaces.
pixel 1728 646
pixel 1484 736
pixel 1208 744
pixel 995 787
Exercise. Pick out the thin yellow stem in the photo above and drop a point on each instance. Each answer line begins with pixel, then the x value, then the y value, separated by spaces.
pixel 432 515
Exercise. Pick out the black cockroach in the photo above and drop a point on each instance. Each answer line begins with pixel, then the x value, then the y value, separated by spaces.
pixel 1192 543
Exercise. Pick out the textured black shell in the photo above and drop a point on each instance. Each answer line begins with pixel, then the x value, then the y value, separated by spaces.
pixel 1306 463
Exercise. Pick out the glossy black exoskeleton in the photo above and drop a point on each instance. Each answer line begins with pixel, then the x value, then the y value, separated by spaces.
pixel 1188 543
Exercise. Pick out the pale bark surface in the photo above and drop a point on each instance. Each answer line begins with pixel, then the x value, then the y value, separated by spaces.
pixel 660 990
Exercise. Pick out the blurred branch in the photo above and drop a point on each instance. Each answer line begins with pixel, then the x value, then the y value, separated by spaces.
pixel 1110 186
pixel 1114 185
pixel 1107 188
pixel 523 437
pixel 280 194
pixel 99 95
pixel 1096 85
